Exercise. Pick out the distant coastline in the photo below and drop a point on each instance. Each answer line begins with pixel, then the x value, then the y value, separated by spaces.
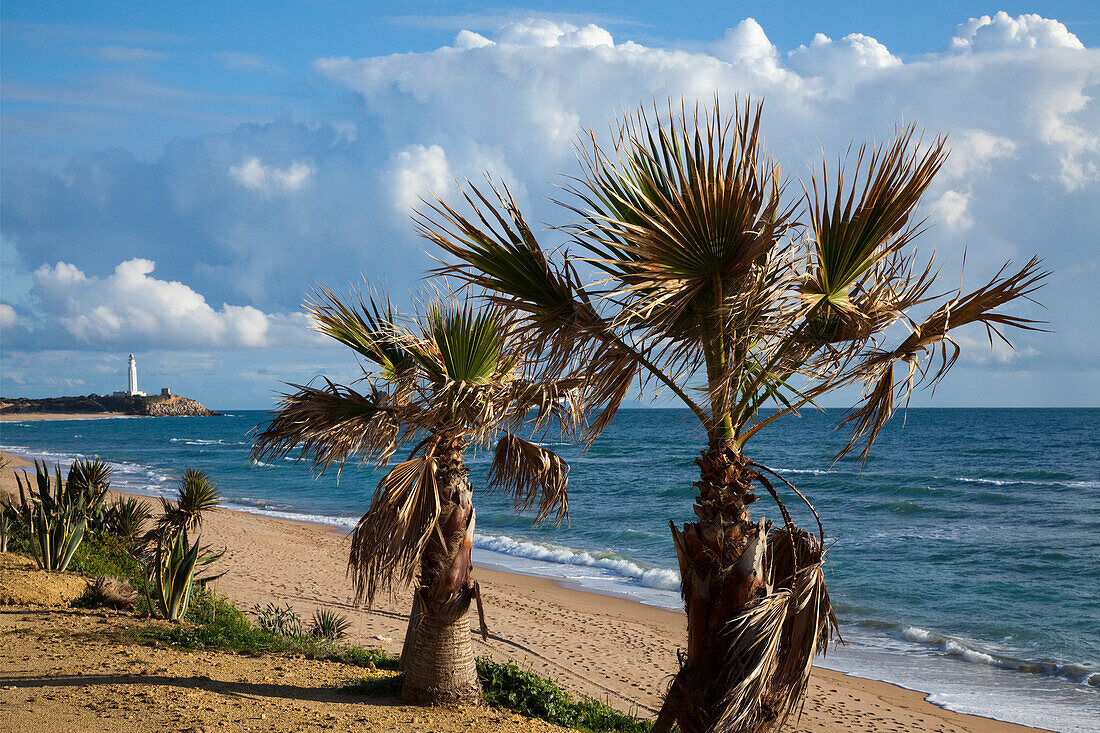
pixel 94 405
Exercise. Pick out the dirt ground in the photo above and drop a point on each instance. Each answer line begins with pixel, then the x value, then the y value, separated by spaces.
pixel 60 672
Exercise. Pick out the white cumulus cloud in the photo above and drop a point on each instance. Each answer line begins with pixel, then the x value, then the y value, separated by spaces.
pixel 854 53
pixel 267 179
pixel 131 307
pixel 1002 32
pixel 418 171
pixel 8 318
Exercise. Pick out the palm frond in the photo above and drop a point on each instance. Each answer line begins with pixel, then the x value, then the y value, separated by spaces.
pixel 464 344
pixel 370 329
pixel 850 235
pixel 930 338
pixel 334 422
pixel 682 212
pixel 774 639
pixel 389 539
pixel 532 475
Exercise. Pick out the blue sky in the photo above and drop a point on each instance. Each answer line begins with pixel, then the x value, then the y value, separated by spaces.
pixel 175 177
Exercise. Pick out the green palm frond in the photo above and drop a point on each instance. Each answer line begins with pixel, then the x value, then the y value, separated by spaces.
pixel 681 213
pixel 464 344
pixel 851 235
pixel 370 329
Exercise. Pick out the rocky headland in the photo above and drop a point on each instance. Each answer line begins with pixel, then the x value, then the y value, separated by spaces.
pixel 152 406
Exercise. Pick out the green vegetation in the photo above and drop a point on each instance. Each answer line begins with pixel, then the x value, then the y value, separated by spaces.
pixel 171 559
pixel 222 626
pixel 54 516
pixel 508 686
pixel 329 625
pixel 278 620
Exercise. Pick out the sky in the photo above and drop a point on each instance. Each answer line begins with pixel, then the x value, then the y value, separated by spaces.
pixel 176 177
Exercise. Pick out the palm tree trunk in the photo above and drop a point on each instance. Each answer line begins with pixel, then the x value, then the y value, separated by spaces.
pixel 438 658
pixel 721 560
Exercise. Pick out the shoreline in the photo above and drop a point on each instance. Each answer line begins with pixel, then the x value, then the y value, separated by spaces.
pixel 40 416
pixel 602 646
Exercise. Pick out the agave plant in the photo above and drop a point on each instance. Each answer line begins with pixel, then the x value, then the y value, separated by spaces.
pixel 280 620
pixel 171 558
pixel 54 518
pixel 747 302
pixel 329 625
pixel 441 382
pixel 7 524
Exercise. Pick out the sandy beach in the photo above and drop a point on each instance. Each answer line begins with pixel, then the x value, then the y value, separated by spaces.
pixel 604 647
pixel 34 416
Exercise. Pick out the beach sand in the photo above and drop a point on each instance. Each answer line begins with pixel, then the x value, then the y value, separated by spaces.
pixel 609 648
pixel 33 416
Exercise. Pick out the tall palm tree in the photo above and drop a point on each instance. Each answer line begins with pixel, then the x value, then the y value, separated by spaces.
pixel 447 380
pixel 746 303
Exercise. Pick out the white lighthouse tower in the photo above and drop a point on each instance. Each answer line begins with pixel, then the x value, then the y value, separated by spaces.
pixel 132 389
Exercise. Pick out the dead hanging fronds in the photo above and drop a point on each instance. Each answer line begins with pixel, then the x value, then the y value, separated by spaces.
pixel 775 638
pixel 931 339
pixel 387 542
pixel 535 477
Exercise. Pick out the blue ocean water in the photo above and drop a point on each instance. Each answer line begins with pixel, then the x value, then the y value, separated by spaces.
pixel 965 557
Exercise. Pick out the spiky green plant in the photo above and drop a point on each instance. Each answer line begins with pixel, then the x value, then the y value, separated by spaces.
pixel 280 620
pixel 125 518
pixel 7 524
pixel 439 382
pixel 53 517
pixel 88 481
pixel 329 625
pixel 171 558
pixel 711 286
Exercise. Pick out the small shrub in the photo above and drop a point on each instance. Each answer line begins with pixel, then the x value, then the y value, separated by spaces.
pixel 508 686
pixel 329 625
pixel 126 518
pixel 278 620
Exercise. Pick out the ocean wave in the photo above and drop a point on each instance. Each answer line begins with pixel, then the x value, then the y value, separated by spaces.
pixel 261 464
pixel 658 578
pixel 970 651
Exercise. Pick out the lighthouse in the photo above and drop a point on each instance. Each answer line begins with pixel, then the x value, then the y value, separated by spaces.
pixel 133 377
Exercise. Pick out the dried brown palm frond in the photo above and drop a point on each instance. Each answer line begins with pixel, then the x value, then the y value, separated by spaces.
pixel 532 475
pixel 387 543
pixel 930 338
pixel 774 639
pixel 330 423
pixel 553 398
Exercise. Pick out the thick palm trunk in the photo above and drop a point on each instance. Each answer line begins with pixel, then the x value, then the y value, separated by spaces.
pixel 734 677
pixel 438 658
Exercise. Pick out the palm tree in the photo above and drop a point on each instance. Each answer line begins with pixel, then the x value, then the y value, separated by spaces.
pixel 450 379
pixel 711 287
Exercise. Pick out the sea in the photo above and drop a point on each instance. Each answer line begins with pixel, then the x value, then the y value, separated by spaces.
pixel 963 560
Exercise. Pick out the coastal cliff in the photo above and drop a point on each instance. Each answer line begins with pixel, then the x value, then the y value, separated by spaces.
pixel 153 406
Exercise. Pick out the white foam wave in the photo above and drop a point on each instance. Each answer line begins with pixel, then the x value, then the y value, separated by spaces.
pixel 659 578
pixel 261 464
